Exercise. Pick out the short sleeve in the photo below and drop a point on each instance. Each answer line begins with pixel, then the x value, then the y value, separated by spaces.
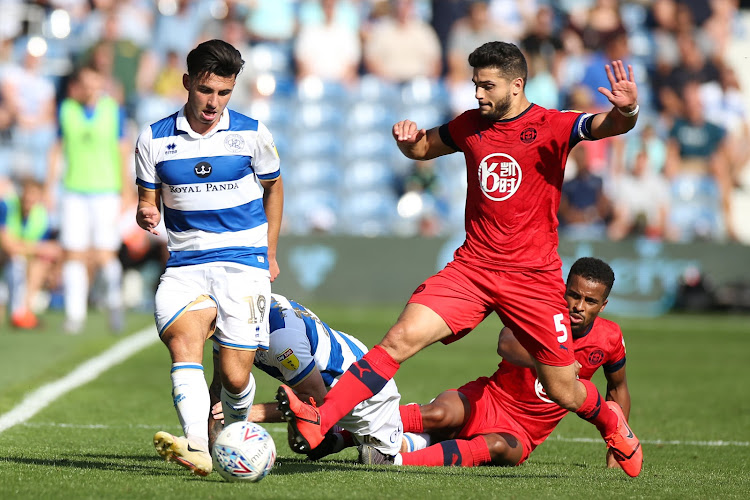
pixel 145 165
pixel 616 354
pixel 290 352
pixel 265 157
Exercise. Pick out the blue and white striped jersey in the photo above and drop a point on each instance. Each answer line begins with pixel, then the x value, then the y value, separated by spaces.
pixel 300 341
pixel 210 187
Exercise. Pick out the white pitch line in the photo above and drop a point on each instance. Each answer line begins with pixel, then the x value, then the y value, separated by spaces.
pixel 274 430
pixel 39 399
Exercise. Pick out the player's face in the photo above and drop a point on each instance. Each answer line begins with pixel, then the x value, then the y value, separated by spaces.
pixel 585 300
pixel 207 98
pixel 493 92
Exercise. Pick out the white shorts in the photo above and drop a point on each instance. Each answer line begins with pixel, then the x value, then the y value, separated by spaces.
pixel 90 221
pixel 377 421
pixel 240 294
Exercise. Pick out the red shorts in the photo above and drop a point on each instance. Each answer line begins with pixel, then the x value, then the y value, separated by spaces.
pixel 532 304
pixel 489 416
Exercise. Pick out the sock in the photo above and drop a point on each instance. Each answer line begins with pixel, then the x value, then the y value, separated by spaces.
pixel 595 411
pixel 237 406
pixel 458 452
pixel 416 441
pixel 15 272
pixel 112 275
pixel 190 395
pixel 76 290
pixel 411 417
pixel 361 381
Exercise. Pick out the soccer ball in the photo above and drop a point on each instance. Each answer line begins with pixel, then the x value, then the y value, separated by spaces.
pixel 244 451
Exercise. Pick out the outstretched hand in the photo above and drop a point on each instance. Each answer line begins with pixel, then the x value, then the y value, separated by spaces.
pixel 406 132
pixel 624 91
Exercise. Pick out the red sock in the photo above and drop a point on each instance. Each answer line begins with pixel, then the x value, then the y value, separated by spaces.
pixel 458 452
pixel 411 417
pixel 595 411
pixel 361 381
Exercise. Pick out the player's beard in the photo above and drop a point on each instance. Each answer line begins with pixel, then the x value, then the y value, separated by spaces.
pixel 499 109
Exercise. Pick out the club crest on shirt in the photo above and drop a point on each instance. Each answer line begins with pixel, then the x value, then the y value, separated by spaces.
pixel 234 143
pixel 596 357
pixel 528 135
pixel 499 176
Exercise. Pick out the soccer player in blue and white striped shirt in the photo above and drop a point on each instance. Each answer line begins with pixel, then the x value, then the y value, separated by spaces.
pixel 310 356
pixel 213 175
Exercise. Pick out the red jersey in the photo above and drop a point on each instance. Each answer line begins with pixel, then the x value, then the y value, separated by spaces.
pixel 518 391
pixel 514 171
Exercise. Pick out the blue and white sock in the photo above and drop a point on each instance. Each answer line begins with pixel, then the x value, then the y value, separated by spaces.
pixel 416 441
pixel 191 400
pixel 237 406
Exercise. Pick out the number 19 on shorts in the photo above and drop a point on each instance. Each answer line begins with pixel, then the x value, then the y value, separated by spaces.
pixel 257 304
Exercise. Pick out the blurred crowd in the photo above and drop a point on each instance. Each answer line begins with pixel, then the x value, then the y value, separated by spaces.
pixel 330 77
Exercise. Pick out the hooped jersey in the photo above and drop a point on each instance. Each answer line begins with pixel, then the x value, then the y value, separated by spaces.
pixel 300 342
pixel 523 397
pixel 515 172
pixel 210 187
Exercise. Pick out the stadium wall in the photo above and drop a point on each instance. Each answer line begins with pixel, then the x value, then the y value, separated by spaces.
pixel 650 275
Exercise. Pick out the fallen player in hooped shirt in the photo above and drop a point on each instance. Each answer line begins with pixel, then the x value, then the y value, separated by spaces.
pixel 501 419
pixel 310 356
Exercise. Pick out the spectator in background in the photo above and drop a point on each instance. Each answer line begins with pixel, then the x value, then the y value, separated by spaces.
pixel 650 142
pixel 168 83
pixel 511 17
pixel 27 251
pixel 693 66
pixel 641 202
pixel 698 171
pixel 124 62
pixel 329 50
pixel 96 185
pixel 597 24
pixel 444 15
pixel 584 207
pixel 30 98
pixel 542 40
pixel 403 47
pixel 272 21
pixel 466 34
pixel 613 46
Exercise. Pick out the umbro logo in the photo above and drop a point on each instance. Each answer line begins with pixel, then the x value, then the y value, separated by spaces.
pixel 171 149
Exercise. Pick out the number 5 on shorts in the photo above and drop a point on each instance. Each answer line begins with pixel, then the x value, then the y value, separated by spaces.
pixel 560 327
pixel 257 308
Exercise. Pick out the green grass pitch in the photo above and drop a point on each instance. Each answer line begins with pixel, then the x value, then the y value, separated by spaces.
pixel 687 376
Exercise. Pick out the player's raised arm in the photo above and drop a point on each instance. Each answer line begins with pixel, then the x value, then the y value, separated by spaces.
pixel 419 144
pixel 624 98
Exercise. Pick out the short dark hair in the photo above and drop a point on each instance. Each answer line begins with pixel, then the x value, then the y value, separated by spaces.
pixel 504 56
pixel 594 269
pixel 215 57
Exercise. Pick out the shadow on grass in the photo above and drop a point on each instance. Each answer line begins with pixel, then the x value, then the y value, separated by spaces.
pixel 289 466
pixel 154 466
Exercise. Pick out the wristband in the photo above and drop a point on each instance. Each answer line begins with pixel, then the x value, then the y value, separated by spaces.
pixel 630 113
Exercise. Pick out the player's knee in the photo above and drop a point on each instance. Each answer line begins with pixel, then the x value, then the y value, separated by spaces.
pixel 434 417
pixel 562 394
pixel 235 382
pixel 502 452
pixel 402 341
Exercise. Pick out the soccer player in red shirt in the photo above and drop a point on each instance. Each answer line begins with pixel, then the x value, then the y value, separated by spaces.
pixel 515 155
pixel 501 419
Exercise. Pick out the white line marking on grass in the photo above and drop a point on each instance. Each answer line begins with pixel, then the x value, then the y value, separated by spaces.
pixel 37 400
pixel 275 430
pixel 658 442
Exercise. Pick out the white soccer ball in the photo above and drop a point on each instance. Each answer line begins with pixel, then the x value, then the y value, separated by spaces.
pixel 244 451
